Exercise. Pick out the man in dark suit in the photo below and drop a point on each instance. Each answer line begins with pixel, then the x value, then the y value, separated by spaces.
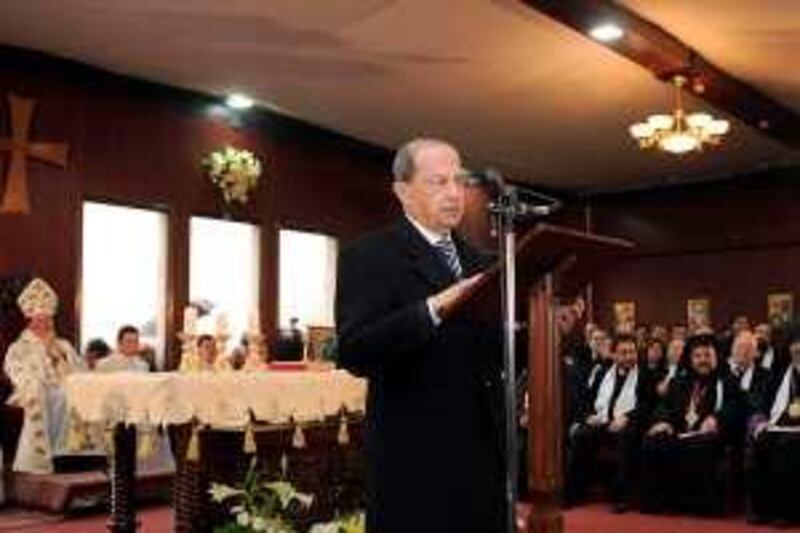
pixel 434 447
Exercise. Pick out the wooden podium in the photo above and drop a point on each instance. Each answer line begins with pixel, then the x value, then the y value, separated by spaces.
pixel 552 262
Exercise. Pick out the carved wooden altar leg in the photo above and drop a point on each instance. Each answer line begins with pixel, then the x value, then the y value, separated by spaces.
pixel 188 494
pixel 545 430
pixel 123 476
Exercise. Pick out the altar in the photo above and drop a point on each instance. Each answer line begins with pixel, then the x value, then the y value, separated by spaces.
pixel 302 425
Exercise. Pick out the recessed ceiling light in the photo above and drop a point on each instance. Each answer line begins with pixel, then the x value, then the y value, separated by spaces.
pixel 239 101
pixel 606 32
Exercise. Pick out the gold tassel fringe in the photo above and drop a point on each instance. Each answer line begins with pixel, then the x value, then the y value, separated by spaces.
pixel 193 450
pixel 146 443
pixel 299 439
pixel 284 465
pixel 109 439
pixel 344 435
pixel 249 440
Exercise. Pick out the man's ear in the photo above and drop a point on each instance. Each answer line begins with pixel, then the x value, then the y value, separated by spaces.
pixel 400 190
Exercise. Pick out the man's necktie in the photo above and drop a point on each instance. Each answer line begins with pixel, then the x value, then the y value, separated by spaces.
pixel 450 255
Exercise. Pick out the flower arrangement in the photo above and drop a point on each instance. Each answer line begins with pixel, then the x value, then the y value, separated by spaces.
pixel 355 523
pixel 257 505
pixel 234 171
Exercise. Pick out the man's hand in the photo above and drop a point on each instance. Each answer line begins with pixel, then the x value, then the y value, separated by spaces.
pixel 661 427
pixel 594 421
pixel 444 301
pixel 760 428
pixel 618 424
pixel 709 425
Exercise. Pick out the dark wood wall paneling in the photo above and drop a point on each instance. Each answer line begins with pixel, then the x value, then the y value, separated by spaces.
pixel 140 144
pixel 730 241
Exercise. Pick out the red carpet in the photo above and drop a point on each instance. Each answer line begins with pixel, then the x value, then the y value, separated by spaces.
pixel 589 519
pixel 598 519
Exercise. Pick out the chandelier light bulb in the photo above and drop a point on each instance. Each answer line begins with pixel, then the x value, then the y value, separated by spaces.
pixel 641 130
pixel 719 127
pixel 699 120
pixel 679 143
pixel 661 122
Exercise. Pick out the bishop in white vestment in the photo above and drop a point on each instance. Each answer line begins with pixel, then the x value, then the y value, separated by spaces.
pixel 37 364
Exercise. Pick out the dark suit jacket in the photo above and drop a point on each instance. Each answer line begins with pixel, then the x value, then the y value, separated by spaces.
pixel 433 442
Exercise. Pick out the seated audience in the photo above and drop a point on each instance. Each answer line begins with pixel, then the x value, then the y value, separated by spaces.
pixel 673 365
pixel 206 352
pixel 655 357
pixel 642 334
pixel 753 380
pixel 127 356
pixel 289 345
pixel 768 357
pixel 775 449
pixel 238 355
pixel 148 354
pixel 96 349
pixel 683 449
pixel 612 421
pixel 601 359
pixel 679 331
pixel 659 332
pixel 754 384
pixel 739 324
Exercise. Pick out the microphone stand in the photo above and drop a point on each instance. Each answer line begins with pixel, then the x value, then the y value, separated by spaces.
pixel 505 210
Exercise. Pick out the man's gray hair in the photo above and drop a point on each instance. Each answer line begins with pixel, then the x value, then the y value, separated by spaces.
pixel 403 166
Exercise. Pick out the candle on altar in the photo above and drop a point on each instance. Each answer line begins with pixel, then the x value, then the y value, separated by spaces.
pixel 222 325
pixel 190 320
pixel 254 323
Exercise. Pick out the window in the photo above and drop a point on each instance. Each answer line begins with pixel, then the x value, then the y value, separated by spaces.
pixel 224 272
pixel 307 278
pixel 123 266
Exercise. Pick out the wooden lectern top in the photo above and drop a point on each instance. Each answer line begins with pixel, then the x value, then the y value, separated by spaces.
pixel 573 256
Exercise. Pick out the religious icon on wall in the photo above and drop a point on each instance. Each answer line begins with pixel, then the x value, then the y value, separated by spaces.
pixel 780 308
pixel 318 339
pixel 698 313
pixel 624 317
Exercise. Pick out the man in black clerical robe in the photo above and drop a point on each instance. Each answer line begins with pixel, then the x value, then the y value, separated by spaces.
pixel 614 423
pixel 683 451
pixel 433 443
pixel 774 458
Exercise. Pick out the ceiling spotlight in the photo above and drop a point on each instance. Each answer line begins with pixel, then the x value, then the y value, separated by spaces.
pixel 606 32
pixel 239 101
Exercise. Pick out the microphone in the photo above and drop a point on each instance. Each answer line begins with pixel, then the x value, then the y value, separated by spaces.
pixel 492 178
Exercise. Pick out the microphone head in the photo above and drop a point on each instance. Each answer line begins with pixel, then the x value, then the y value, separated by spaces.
pixel 488 176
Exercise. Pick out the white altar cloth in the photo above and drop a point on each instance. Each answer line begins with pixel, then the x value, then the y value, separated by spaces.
pixel 220 400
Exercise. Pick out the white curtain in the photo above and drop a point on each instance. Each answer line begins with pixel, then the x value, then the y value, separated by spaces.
pixel 224 268
pixel 307 277
pixel 123 272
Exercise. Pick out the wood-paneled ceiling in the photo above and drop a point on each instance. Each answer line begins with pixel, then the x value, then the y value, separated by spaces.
pixel 512 87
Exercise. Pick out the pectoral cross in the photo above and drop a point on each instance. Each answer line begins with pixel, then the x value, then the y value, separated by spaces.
pixel 15 197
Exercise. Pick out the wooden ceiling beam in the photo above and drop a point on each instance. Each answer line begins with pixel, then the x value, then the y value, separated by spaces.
pixel 660 52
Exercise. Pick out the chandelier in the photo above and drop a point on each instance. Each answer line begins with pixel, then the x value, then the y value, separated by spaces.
pixel 679 133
